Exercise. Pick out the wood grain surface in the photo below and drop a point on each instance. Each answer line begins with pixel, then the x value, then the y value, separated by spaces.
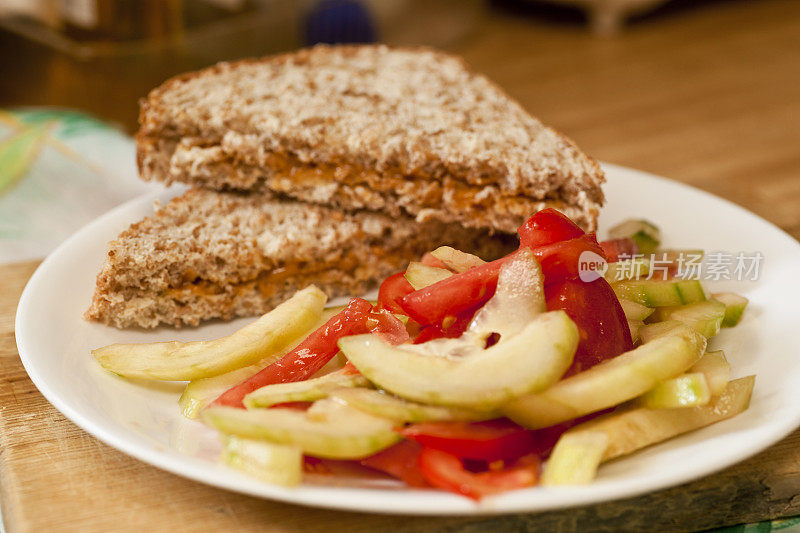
pixel 705 95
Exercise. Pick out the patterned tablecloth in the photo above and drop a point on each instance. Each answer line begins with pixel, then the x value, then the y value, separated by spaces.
pixel 60 169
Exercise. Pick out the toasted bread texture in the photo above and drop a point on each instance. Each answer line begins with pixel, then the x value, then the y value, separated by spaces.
pixel 210 254
pixel 398 130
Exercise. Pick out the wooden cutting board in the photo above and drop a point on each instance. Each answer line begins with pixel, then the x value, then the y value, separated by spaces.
pixel 55 477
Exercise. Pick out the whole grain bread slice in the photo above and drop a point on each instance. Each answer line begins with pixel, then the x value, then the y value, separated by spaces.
pixel 409 130
pixel 210 254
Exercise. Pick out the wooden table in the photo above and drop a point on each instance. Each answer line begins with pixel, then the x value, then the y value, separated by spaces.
pixel 706 95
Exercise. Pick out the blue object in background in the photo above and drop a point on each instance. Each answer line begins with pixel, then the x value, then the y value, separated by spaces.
pixel 339 21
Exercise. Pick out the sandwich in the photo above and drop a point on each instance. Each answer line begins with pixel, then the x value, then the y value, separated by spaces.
pixel 330 165
pixel 208 254
pixel 397 130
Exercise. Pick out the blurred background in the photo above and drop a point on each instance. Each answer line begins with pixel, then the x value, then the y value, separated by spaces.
pixel 703 91
pixel 102 55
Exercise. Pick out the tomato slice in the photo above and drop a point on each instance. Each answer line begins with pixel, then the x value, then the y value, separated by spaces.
pixel 387 326
pixel 446 471
pixel 547 227
pixel 556 242
pixel 546 438
pixel 308 357
pixel 615 249
pixel 299 406
pixel 561 260
pixel 450 328
pixel 400 461
pixel 392 290
pixel 595 309
pixel 490 440
pixel 431 260
pixel 350 368
pixel 337 467
pixel 454 295
pixel 471 289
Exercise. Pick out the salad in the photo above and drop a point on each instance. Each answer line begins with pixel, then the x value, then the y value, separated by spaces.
pixel 468 376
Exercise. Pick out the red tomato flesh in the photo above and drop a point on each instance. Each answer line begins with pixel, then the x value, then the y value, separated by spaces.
pixel 602 325
pixel 546 438
pixel 547 227
pixel 490 440
pixel 471 289
pixel 308 357
pixel 454 295
pixel 561 260
pixel 451 328
pixel 350 368
pixel 447 472
pixel 392 290
pixel 400 461
pixel 299 406
pixel 615 249
pixel 337 467
pixel 431 260
pixel 387 326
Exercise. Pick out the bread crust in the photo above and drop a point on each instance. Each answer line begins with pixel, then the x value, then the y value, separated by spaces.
pixel 411 111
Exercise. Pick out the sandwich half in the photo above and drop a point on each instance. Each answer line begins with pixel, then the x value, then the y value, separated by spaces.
pixel 209 254
pixel 402 131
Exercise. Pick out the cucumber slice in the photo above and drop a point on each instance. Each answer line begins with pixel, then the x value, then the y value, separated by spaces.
pixel 687 390
pixel 611 382
pixel 635 268
pixel 199 393
pixel 633 428
pixel 273 463
pixel 342 433
pixel 704 317
pixel 635 326
pixel 645 234
pixel 178 361
pixel 660 314
pixel 481 379
pixel 734 307
pixel 716 369
pixel 385 405
pixel 420 275
pixel 635 311
pixel 518 300
pixel 303 391
pixel 648 332
pixel 653 293
pixel 456 259
pixel 690 290
pixel 575 459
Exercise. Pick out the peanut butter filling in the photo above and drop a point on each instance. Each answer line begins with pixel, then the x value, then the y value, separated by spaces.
pixel 428 192
pixel 268 282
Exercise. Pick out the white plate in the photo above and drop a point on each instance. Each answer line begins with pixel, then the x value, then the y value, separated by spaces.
pixel 142 419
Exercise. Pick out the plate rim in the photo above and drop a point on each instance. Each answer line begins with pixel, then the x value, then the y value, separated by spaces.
pixel 185 465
